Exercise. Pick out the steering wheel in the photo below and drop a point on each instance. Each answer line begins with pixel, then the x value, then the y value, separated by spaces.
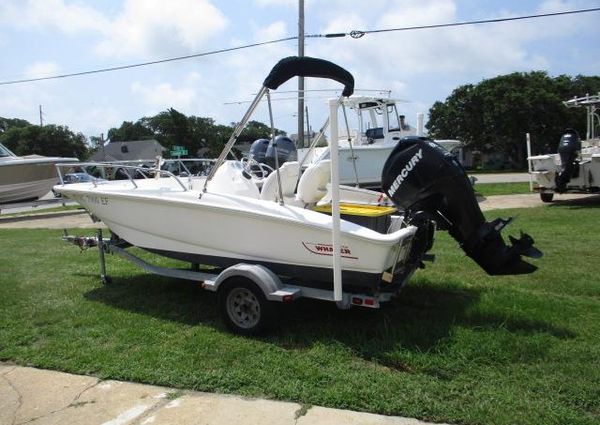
pixel 257 170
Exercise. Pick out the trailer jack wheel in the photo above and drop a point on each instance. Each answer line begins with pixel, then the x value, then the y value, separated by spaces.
pixel 244 308
pixel 546 196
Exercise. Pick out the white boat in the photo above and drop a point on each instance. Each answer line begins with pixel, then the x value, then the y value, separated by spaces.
pixel 27 177
pixel 300 229
pixel 372 127
pixel 228 217
pixel 576 166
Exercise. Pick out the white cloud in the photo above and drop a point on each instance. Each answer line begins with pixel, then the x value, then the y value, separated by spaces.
pixel 42 69
pixel 140 28
pixel 22 102
pixel 485 49
pixel 146 27
pixel 164 95
pixel 289 3
pixel 92 120
pixel 422 66
pixel 58 15
pixel 273 31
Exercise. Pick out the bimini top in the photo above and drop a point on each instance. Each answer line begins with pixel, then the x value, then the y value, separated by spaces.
pixel 294 66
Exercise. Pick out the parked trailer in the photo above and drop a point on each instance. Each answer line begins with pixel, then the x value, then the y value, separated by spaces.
pixel 246 293
pixel 576 166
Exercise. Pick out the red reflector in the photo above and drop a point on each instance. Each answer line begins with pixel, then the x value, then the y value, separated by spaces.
pixel 287 298
pixel 357 301
pixel 369 301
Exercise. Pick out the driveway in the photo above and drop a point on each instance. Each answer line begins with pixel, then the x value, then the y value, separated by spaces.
pixel 501 178
pixel 56 220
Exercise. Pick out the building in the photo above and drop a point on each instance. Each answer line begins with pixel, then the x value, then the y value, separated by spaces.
pixel 129 151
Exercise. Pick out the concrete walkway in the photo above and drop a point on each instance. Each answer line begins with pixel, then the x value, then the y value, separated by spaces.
pixel 41 397
pixel 530 200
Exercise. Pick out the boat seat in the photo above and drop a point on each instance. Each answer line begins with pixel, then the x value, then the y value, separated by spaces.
pixel 374 133
pixel 229 178
pixel 313 183
pixel 289 176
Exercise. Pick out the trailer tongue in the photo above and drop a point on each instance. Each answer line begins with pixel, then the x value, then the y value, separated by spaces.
pixel 420 175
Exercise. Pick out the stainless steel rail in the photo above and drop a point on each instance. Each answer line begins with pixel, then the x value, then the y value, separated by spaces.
pixel 104 165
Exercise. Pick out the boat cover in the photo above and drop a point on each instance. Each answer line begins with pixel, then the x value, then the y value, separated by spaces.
pixel 294 66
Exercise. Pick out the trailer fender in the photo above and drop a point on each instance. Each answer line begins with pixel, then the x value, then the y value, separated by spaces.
pixel 265 279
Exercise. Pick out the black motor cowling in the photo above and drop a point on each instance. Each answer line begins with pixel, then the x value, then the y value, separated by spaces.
pixel 258 150
pixel 568 149
pixel 283 148
pixel 420 175
pixel 265 151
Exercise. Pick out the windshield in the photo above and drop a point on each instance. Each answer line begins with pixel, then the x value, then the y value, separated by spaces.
pixel 393 120
pixel 370 118
pixel 4 152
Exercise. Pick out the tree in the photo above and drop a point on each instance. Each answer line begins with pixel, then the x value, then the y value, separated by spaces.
pixel 49 140
pixel 257 130
pixel 172 128
pixel 495 114
pixel 7 123
pixel 129 131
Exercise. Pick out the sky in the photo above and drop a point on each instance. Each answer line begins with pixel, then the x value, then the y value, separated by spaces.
pixel 48 37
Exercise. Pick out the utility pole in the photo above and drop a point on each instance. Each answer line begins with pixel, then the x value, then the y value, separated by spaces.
pixel 300 142
pixel 102 144
pixel 41 117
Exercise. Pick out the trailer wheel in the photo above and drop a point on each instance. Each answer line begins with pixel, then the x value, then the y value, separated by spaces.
pixel 244 308
pixel 546 196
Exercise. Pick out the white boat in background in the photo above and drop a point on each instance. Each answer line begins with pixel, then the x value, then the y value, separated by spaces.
pixel 576 166
pixel 371 129
pixel 27 177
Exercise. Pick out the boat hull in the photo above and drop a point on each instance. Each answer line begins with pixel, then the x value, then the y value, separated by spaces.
pixel 222 230
pixel 27 179
pixel 546 168
pixel 367 159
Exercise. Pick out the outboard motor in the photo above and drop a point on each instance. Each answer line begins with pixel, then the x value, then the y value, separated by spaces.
pixel 568 149
pixel 420 175
pixel 285 148
pixel 258 149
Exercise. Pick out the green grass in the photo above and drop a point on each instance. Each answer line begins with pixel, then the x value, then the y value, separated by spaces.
pixel 457 346
pixel 491 189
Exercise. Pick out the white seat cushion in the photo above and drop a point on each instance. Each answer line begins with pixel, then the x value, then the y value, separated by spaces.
pixel 289 176
pixel 313 183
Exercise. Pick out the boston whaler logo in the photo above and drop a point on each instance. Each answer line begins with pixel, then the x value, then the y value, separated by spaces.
pixel 404 172
pixel 327 249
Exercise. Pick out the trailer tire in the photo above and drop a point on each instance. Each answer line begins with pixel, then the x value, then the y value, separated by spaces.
pixel 546 196
pixel 244 308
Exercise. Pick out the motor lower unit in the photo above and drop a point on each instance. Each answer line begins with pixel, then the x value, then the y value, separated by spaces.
pixel 420 175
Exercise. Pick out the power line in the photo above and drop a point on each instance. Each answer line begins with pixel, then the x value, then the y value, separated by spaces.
pixel 354 34
pixel 138 65
pixel 359 34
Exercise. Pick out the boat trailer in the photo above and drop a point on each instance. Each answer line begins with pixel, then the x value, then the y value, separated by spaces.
pixel 246 292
